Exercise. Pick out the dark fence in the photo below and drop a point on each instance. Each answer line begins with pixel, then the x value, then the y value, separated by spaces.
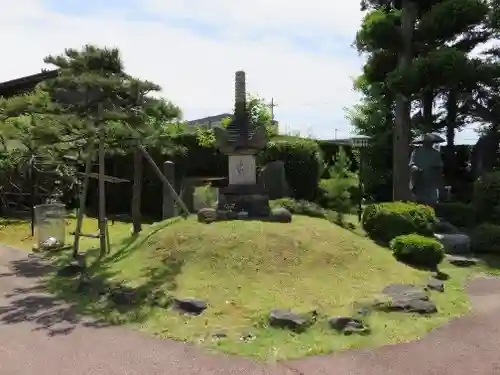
pixel 201 162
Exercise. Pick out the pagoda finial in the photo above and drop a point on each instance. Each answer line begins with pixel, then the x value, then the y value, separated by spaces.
pixel 240 136
pixel 240 89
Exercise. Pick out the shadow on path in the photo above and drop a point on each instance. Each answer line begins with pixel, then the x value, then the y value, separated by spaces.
pixel 45 336
pixel 465 346
pixel 26 300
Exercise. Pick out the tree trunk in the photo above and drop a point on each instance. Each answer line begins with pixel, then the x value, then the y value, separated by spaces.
pixel 33 193
pixel 83 196
pixel 427 103
pixel 451 118
pixel 137 192
pixel 401 151
pixel 3 143
pixel 102 194
pixel 451 169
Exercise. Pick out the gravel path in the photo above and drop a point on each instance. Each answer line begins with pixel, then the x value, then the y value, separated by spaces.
pixel 41 336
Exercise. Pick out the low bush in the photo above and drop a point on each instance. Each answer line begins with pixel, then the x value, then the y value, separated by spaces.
pixel 459 214
pixel 485 238
pixel 299 207
pixel 204 196
pixel 418 250
pixel 385 221
pixel 338 194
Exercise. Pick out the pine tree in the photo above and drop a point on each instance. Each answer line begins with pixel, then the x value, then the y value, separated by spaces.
pixel 92 98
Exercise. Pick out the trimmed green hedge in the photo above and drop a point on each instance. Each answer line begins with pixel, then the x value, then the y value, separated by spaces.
pixel 195 158
pixel 385 221
pixel 485 238
pixel 418 250
pixel 486 199
pixel 459 214
pixel 303 163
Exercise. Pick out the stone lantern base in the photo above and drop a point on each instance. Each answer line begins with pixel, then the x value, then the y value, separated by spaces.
pixel 243 202
pixel 251 199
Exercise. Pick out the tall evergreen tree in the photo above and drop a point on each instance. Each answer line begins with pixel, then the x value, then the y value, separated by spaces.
pixel 440 67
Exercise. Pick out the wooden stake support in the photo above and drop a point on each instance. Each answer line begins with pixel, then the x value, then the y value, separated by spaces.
pixel 163 179
pixel 113 180
pixel 83 196
pixel 102 178
pixel 95 236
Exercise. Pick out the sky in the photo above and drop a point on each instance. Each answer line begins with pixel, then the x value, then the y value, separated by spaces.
pixel 298 53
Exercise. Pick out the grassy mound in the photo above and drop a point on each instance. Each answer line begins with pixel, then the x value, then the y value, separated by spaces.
pixel 245 269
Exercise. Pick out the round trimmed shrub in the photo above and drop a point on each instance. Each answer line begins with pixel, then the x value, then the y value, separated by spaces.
pixel 486 196
pixel 418 250
pixel 485 238
pixel 459 214
pixel 385 221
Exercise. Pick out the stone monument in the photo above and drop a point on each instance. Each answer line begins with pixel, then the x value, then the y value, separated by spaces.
pixel 426 181
pixel 243 198
pixel 485 154
pixel 426 168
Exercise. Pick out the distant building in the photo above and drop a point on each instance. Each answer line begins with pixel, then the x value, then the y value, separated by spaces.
pixel 24 84
pixel 210 121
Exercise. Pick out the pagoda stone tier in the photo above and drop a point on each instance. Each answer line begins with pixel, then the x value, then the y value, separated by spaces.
pixel 243 198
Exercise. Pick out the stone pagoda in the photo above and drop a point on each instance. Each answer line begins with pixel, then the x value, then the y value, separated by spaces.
pixel 243 198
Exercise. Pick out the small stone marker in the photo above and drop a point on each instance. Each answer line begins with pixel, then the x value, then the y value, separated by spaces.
pixel 191 306
pixel 281 318
pixel 348 325
pixel 409 298
pixel 405 291
pixel 413 306
pixel 124 296
pixel 435 284
pixel 458 243
pixel 219 335
pixel 273 178
pixel 462 261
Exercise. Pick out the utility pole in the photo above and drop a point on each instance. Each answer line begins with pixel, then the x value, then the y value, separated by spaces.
pixel 271 107
pixel 335 133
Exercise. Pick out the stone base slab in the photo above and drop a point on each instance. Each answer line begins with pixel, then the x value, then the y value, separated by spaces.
pixel 255 205
pixel 211 215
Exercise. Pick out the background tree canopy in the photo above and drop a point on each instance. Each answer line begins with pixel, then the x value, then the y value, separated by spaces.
pixel 449 83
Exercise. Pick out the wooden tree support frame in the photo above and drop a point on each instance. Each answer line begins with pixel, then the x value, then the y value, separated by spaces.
pixel 83 196
pixel 103 233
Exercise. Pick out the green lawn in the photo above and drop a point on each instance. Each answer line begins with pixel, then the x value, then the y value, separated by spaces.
pixel 17 232
pixel 245 269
